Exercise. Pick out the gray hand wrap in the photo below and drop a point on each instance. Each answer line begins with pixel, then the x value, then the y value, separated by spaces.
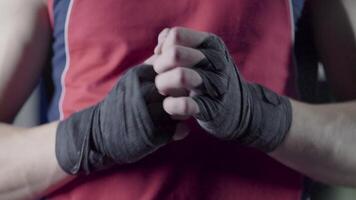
pixel 127 125
pixel 231 108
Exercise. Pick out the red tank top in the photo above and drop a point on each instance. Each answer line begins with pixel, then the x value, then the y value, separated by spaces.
pixel 95 41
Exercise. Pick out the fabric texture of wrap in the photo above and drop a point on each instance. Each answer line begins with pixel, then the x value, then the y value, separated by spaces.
pixel 233 109
pixel 127 125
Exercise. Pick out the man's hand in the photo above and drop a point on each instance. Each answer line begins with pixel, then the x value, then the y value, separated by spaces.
pixel 198 74
pixel 126 126
pixel 175 57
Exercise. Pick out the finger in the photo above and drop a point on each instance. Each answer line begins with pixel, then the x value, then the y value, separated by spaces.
pixel 163 34
pixel 182 131
pixel 183 106
pixel 177 56
pixel 177 79
pixel 184 37
pixel 150 60
pixel 161 38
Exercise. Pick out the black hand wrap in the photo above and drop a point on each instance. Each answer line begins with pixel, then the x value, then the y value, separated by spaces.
pixel 127 125
pixel 231 108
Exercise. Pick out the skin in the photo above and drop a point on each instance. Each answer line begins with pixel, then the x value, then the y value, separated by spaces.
pixel 320 143
pixel 33 148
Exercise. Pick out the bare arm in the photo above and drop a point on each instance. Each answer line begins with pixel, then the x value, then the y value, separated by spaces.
pixel 28 166
pixel 322 140
pixel 24 44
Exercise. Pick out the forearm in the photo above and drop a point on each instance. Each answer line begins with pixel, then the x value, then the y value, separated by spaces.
pixel 28 163
pixel 322 142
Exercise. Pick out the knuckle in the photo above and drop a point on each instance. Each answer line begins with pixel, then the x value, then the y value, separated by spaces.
pixel 158 81
pixel 175 35
pixel 175 54
pixel 157 68
pixel 163 33
pixel 160 85
pixel 184 106
pixel 180 76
